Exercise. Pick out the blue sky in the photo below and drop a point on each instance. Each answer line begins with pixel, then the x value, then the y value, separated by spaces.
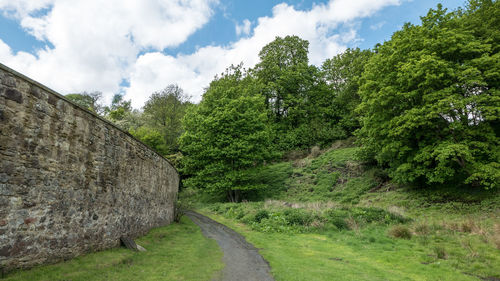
pixel 137 47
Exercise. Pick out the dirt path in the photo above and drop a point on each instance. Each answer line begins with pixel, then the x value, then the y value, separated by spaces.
pixel 242 259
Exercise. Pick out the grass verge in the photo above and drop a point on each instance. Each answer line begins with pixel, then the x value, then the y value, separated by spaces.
pixel 369 253
pixel 178 251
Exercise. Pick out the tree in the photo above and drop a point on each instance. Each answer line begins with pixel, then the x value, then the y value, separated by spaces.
pixel 431 101
pixel 299 102
pixel 226 135
pixel 343 75
pixel 164 111
pixel 151 138
pixel 89 101
pixel 281 57
pixel 122 115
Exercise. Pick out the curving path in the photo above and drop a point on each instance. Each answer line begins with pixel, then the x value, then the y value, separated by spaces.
pixel 242 259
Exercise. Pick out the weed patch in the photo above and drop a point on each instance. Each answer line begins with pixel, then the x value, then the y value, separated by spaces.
pixel 400 231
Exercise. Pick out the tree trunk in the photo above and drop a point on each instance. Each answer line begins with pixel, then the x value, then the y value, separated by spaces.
pixel 233 196
pixel 237 196
pixel 230 196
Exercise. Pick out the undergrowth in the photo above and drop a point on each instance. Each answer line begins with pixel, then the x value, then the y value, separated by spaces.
pixel 275 217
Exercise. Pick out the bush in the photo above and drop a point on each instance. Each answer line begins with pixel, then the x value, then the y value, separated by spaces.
pixel 275 222
pixel 369 215
pixel 400 231
pixel 179 210
pixel 262 214
pixel 240 215
pixel 338 218
pixel 215 208
pixel 298 217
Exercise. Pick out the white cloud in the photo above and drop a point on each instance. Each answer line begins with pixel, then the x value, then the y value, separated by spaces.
pixel 22 8
pixel 244 28
pixel 96 44
pixel 377 26
pixel 194 72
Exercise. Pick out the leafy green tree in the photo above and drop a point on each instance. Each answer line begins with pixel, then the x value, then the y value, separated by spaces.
pixel 279 60
pixel 89 101
pixel 343 75
pixel 300 104
pixel 118 108
pixel 151 138
pixel 164 111
pixel 431 101
pixel 226 135
pixel 123 115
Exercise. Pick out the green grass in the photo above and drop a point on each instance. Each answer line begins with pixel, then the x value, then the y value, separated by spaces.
pixel 332 218
pixel 370 254
pixel 174 252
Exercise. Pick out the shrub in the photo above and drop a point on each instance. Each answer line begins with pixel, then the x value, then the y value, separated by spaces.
pixel 247 219
pixel 262 214
pixel 468 226
pixel 240 215
pixel 370 214
pixel 215 208
pixel 298 217
pixel 422 229
pixel 338 218
pixel 352 224
pixel 275 222
pixel 180 209
pixel 400 231
pixel 381 175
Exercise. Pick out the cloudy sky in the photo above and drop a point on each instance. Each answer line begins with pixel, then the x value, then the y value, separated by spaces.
pixel 136 47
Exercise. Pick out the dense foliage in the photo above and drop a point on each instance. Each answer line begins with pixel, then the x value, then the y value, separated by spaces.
pixel 300 104
pixel 89 101
pixel 163 113
pixel 158 124
pixel 343 75
pixel 431 102
pixel 424 106
pixel 226 134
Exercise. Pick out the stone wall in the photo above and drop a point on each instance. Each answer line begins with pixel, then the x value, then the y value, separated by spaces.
pixel 70 181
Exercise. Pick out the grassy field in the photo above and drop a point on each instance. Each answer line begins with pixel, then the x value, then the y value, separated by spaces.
pixel 331 218
pixel 175 252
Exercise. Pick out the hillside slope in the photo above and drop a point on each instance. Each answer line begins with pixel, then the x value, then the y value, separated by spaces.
pixel 332 218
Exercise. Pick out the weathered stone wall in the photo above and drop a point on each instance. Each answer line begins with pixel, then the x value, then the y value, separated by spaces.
pixel 71 182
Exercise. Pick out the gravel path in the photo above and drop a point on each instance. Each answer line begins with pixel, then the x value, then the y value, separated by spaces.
pixel 242 259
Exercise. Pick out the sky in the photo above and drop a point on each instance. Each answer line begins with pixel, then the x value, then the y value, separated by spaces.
pixel 137 47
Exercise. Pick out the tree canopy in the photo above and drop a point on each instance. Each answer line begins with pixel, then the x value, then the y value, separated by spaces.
pixel 89 101
pixel 431 103
pixel 424 106
pixel 163 113
pixel 226 135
